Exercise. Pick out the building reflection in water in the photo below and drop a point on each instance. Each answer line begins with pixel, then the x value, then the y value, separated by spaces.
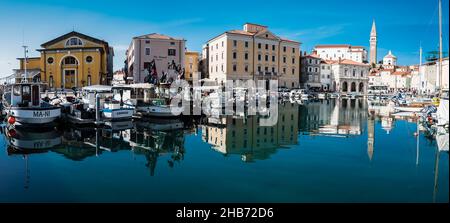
pixel 243 135
pixel 343 117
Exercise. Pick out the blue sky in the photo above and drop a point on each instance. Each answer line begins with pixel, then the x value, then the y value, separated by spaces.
pixel 401 24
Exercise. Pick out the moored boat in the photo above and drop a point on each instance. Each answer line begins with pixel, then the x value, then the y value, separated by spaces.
pixel 22 104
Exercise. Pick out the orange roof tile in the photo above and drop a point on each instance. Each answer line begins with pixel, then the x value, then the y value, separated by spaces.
pixel 156 36
pixel 313 56
pixel 333 46
pixel 241 32
pixel 288 40
pixel 402 73
pixel 351 62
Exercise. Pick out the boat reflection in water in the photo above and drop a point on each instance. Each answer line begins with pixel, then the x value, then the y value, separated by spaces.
pixel 146 138
pixel 243 135
pixel 158 139
pixel 22 142
pixel 32 140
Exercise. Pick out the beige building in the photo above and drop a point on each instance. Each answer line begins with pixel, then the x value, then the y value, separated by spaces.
pixel 191 60
pixel 161 49
pixel 254 53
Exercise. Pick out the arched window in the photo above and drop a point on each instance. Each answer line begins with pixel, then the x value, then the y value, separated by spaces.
pixel 344 87
pixel 353 87
pixel 74 41
pixel 50 81
pixel 89 81
pixel 361 87
pixel 70 61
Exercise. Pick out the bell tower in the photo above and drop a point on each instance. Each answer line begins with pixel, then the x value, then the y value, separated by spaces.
pixel 373 44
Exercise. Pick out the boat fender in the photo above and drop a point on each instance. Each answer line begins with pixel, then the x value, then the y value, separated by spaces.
pixel 11 120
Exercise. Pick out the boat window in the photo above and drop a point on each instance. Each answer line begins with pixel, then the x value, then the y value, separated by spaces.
pixel 16 90
pixel 26 93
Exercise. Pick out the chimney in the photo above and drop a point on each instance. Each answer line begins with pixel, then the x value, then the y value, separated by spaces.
pixel 253 28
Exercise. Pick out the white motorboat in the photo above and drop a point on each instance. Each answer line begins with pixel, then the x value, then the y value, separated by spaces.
pixel 443 109
pixel 334 95
pixel 408 108
pixel 150 100
pixel 322 95
pixel 115 108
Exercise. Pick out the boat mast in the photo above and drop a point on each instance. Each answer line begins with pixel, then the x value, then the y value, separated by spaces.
pixel 25 61
pixel 440 47
pixel 420 73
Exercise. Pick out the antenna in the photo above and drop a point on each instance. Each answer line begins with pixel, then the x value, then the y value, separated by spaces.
pixel 25 61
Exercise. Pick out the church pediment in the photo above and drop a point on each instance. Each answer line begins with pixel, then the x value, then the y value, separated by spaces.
pixel 266 34
pixel 74 39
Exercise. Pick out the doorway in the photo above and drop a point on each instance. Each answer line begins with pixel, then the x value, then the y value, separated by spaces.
pixel 35 95
pixel 69 79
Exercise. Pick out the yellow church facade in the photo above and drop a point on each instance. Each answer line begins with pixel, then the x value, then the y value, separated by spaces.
pixel 73 60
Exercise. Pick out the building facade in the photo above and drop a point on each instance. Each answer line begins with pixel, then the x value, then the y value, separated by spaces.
pixel 342 52
pixel 161 49
pixel 191 61
pixel 204 62
pixel 395 77
pixel 326 76
pixel 72 60
pixel 310 77
pixel 429 76
pixel 349 76
pixel 254 53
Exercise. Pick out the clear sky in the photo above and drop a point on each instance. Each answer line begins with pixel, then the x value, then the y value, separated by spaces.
pixel 401 24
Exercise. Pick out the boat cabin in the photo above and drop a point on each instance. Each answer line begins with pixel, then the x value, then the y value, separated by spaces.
pixel 23 95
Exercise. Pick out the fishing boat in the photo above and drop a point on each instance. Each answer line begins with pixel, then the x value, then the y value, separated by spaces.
pixel 322 95
pixel 115 107
pixel 334 95
pixel 99 103
pixel 23 105
pixel 301 94
pixel 151 100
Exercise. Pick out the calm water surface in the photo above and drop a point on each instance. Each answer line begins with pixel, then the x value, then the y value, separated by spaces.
pixel 322 151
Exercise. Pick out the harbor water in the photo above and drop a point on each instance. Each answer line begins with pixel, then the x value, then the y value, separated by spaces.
pixel 318 151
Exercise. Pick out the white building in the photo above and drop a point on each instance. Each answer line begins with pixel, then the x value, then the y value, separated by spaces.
pixel 161 49
pixel 390 59
pixel 349 76
pixel 342 51
pixel 391 75
pixel 429 76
